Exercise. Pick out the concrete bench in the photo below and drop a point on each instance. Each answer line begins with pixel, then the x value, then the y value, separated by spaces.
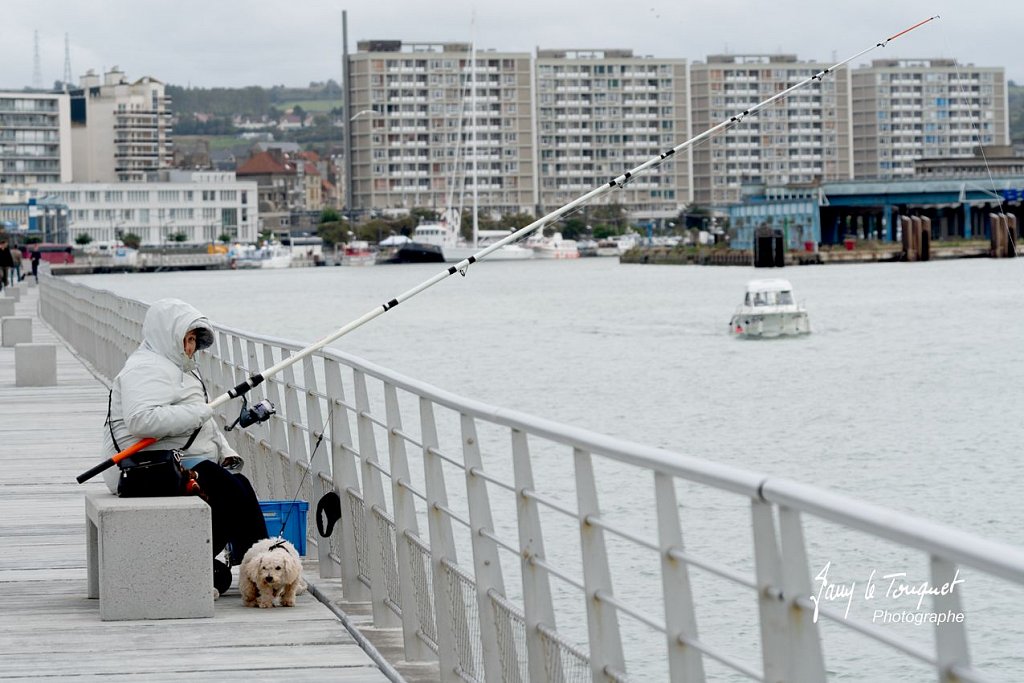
pixel 149 558
pixel 6 307
pixel 15 331
pixel 12 292
pixel 35 365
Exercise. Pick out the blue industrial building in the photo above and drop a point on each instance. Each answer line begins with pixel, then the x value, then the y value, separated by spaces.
pixel 830 213
pixel 43 219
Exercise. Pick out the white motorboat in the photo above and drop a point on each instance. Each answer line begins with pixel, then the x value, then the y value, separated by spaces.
pixel 554 247
pixel 272 255
pixel 769 310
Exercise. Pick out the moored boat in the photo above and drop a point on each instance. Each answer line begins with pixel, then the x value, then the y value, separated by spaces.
pixel 358 253
pixel 554 247
pixel 769 310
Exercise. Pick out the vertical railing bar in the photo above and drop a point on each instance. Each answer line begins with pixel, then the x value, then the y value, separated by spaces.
pixel 373 496
pixel 806 661
pixel 278 438
pixel 442 541
pixel 771 608
pixel 486 564
pixel 602 619
pixel 537 604
pixel 319 457
pixel 951 635
pixel 684 663
pixel 405 523
pixel 345 476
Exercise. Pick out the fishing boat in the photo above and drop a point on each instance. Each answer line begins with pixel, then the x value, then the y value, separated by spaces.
pixel 769 310
pixel 358 253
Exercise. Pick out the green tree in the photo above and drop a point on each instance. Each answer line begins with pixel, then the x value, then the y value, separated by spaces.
pixel 333 232
pixel 131 240
pixel 179 237
pixel 224 237
pixel 83 238
pixel 329 216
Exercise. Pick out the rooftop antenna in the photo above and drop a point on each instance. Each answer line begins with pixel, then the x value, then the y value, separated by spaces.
pixel 37 72
pixel 67 63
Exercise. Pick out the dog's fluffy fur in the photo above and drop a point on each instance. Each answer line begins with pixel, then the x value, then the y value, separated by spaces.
pixel 270 570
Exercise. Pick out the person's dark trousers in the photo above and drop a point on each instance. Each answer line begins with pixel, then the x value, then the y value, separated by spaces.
pixel 237 517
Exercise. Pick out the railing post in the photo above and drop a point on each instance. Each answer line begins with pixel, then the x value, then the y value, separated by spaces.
pixel 345 477
pixel 278 439
pixel 442 542
pixel 297 450
pixel 684 663
pixel 770 599
pixel 319 459
pixel 537 605
pixel 373 497
pixel 486 563
pixel 806 661
pixel 951 636
pixel 405 523
pixel 602 619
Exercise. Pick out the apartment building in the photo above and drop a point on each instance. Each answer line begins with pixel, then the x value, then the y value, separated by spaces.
pixel 120 129
pixel 907 109
pixel 35 138
pixel 202 205
pixel 602 112
pixel 802 138
pixel 429 123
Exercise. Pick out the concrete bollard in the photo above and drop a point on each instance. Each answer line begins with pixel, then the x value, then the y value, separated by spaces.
pixel 15 331
pixel 13 293
pixel 35 365
pixel 6 307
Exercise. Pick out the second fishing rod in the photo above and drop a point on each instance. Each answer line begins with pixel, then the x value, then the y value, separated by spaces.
pixel 615 183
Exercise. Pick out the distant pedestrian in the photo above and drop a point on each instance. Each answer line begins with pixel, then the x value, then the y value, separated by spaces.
pixel 6 262
pixel 35 264
pixel 16 257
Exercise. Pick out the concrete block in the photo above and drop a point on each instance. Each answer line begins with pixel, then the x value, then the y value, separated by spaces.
pixel 149 558
pixel 6 307
pixel 35 365
pixel 12 292
pixel 15 331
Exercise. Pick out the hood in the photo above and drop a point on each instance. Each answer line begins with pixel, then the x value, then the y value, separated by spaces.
pixel 167 321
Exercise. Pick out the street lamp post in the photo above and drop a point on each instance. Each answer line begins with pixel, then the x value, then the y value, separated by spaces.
pixel 349 192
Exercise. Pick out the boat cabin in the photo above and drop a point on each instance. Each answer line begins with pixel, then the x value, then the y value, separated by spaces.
pixel 773 292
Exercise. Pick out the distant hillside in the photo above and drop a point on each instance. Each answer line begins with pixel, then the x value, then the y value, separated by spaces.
pixel 322 97
pixel 252 101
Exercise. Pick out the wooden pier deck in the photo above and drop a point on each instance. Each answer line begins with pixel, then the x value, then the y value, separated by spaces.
pixel 50 630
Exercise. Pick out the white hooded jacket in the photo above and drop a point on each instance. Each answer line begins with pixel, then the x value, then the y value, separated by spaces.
pixel 158 392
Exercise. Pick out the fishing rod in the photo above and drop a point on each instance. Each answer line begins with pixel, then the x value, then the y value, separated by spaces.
pixel 618 182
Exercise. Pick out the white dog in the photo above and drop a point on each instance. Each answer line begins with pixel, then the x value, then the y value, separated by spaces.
pixel 271 569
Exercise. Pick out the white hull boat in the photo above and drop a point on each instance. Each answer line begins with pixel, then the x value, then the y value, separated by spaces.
pixel 274 255
pixel 554 247
pixel 768 310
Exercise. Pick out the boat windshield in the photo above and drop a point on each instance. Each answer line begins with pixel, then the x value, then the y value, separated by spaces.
pixel 769 299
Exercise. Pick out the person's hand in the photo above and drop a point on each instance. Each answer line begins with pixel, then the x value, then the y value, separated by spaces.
pixel 232 463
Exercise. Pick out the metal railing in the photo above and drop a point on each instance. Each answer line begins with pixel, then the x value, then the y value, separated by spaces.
pixel 427 477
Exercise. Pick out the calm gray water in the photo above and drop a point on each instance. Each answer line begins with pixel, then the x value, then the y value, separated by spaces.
pixel 907 394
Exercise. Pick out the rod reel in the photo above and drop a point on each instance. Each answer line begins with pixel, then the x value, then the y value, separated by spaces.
pixel 248 416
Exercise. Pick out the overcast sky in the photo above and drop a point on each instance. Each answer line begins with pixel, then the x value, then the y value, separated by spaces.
pixel 234 43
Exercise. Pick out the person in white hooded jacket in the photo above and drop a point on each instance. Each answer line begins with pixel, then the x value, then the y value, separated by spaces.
pixel 160 394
